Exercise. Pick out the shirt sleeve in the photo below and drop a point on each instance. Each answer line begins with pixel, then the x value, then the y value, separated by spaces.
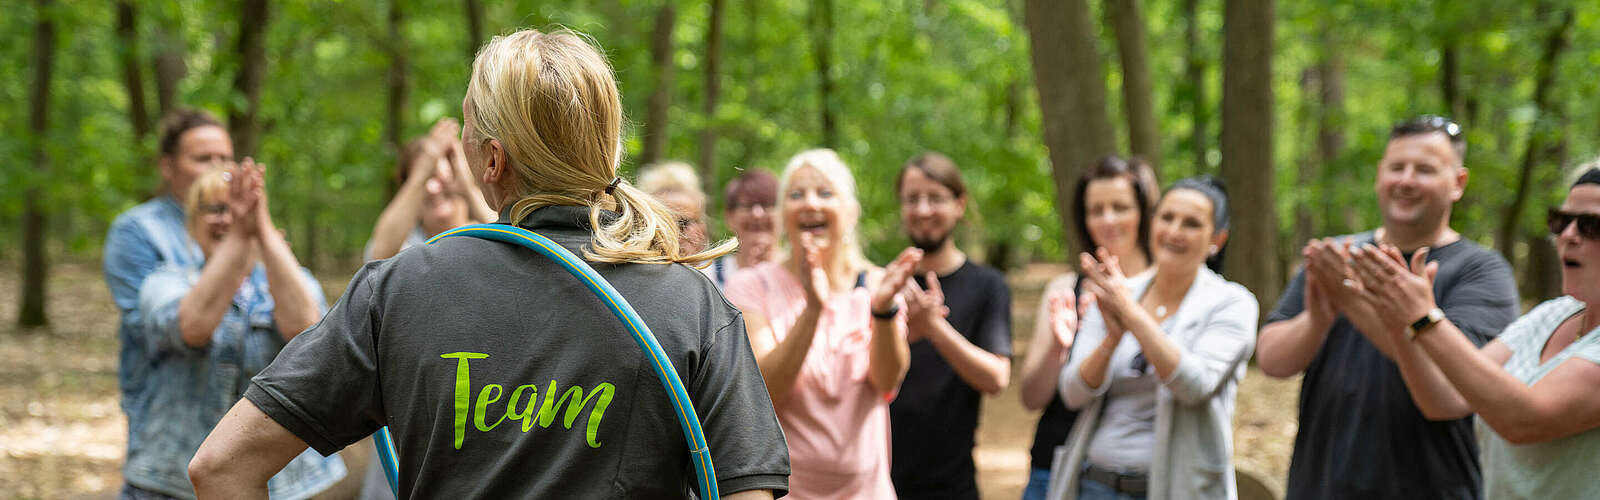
pixel 1483 300
pixel 736 414
pixel 128 259
pixel 1226 339
pixel 295 390
pixel 1076 393
pixel 994 329
pixel 159 298
pixel 1293 300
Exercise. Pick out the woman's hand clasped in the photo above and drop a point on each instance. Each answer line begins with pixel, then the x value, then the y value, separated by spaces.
pixel 1397 293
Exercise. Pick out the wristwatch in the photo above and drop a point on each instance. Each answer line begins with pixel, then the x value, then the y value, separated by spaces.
pixel 1422 324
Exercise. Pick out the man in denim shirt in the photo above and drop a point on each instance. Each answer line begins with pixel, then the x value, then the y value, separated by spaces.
pixel 153 236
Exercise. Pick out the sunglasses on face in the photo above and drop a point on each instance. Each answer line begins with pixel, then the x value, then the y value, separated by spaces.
pixel 1588 224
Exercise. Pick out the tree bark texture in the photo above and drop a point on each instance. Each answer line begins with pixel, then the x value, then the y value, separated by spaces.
pixel 713 89
pixel 1538 136
pixel 1072 93
pixel 244 124
pixel 474 28
pixel 1330 126
pixel 1450 79
pixel 660 103
pixel 1247 138
pixel 35 267
pixel 822 47
pixel 398 84
pixel 132 77
pixel 1138 101
pixel 1194 69
pixel 169 68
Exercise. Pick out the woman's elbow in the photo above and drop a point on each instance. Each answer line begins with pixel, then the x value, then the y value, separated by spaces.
pixel 193 334
pixel 207 469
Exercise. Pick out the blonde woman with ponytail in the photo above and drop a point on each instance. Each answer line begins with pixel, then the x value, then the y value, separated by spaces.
pixel 827 332
pixel 468 349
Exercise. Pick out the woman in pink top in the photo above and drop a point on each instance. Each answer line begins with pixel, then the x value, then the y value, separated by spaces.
pixel 827 334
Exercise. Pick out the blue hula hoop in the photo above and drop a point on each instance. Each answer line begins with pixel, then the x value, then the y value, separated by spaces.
pixel 688 419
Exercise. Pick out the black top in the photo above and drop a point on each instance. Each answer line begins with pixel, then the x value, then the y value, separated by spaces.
pixel 933 418
pixel 503 376
pixel 1056 421
pixel 1360 435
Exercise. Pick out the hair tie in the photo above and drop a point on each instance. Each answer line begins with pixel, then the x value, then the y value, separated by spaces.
pixel 613 185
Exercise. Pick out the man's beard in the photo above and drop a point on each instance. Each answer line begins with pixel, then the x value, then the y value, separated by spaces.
pixel 929 244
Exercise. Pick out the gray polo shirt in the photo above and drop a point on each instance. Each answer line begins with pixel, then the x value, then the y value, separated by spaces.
pixel 502 376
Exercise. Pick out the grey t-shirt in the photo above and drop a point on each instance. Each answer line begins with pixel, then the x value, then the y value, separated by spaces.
pixel 1360 434
pixel 502 376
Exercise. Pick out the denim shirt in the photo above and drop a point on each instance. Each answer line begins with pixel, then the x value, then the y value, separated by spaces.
pixel 140 241
pixel 187 390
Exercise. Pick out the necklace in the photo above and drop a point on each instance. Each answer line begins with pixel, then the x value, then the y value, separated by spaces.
pixel 1161 312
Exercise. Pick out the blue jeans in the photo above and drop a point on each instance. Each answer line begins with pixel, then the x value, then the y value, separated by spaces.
pixel 1089 489
pixel 1038 484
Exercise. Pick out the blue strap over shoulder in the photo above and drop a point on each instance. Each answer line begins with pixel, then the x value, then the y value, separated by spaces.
pixel 699 452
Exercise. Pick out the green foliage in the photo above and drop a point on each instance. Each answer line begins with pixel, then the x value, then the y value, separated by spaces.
pixel 946 75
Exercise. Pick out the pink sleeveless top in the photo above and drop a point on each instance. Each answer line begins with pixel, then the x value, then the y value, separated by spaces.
pixel 835 422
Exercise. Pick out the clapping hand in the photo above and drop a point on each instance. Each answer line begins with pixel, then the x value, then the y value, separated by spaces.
pixel 1107 284
pixel 924 307
pixel 813 277
pixel 895 277
pixel 245 193
pixel 1064 315
pixel 1398 294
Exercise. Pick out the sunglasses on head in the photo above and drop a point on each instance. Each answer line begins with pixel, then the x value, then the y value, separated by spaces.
pixel 1588 224
pixel 1442 124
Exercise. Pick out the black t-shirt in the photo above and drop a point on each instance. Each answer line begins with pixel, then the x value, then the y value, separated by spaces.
pixel 502 376
pixel 933 418
pixel 1360 435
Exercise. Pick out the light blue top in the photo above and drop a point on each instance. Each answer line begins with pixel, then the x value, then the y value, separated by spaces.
pixel 1561 468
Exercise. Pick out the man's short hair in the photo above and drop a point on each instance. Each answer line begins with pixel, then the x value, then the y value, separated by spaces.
pixel 1428 124
pixel 936 166
pixel 179 121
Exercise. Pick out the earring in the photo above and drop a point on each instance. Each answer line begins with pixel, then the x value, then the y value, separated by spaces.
pixel 1212 250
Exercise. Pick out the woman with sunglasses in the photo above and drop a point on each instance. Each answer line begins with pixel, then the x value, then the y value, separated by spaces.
pixel 1533 387
pixel 1159 363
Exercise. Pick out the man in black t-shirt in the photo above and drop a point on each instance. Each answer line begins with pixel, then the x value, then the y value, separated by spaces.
pixel 959 318
pixel 1362 434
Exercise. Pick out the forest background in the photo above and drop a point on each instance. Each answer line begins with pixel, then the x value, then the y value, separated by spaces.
pixel 1290 103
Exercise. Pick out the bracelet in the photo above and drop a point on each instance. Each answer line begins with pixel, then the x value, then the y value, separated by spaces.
pixel 889 314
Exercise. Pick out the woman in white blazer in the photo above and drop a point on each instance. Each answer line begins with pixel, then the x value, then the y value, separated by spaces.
pixel 1156 399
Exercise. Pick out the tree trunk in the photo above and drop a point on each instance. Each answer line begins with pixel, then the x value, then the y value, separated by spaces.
pixel 1194 64
pixel 1330 126
pixel 821 40
pixel 1072 93
pixel 655 124
pixel 1127 20
pixel 1450 79
pixel 398 90
pixel 34 265
pixel 128 52
pixel 244 124
pixel 1247 104
pixel 1538 136
pixel 708 135
pixel 169 68
pixel 474 28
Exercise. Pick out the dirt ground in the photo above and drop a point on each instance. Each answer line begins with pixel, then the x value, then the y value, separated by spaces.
pixel 62 433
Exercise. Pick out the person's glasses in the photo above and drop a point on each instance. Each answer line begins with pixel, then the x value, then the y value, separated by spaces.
pixel 751 207
pixel 937 200
pixel 1588 224
pixel 212 208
